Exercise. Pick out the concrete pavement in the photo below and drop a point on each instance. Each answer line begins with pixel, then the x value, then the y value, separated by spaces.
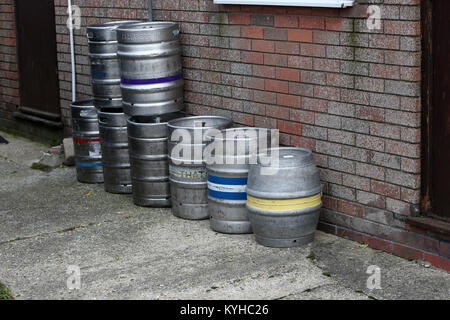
pixel 49 221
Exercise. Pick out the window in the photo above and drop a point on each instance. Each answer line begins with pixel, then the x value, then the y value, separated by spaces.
pixel 298 3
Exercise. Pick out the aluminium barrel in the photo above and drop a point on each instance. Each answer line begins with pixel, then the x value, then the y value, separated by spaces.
pixel 187 169
pixel 114 144
pixel 105 71
pixel 284 198
pixel 86 139
pixel 227 177
pixel 147 138
pixel 151 70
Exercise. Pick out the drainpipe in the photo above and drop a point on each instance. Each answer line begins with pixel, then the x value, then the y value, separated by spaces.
pixel 150 11
pixel 72 51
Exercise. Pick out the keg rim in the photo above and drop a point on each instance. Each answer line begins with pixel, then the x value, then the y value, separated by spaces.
pixel 133 119
pixel 110 110
pixel 172 124
pixel 149 25
pixel 295 149
pixel 305 154
pixel 89 102
pixel 111 25
pixel 209 137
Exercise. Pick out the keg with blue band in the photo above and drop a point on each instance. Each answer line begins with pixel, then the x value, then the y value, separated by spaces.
pixel 88 164
pixel 227 188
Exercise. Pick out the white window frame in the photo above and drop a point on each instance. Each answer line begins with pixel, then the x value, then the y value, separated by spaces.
pixel 294 3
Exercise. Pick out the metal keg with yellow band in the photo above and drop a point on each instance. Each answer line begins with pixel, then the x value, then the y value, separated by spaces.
pixel 284 197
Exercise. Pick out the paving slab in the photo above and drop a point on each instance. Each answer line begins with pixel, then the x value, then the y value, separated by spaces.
pixel 348 262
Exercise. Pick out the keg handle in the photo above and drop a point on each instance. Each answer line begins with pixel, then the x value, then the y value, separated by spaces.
pixel 199 124
pixel 103 120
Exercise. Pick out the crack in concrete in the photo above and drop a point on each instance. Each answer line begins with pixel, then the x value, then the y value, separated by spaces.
pixel 70 229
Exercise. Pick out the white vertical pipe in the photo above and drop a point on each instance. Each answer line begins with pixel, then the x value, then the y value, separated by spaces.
pixel 72 51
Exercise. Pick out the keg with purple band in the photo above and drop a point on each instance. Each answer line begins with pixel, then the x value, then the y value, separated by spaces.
pixel 150 67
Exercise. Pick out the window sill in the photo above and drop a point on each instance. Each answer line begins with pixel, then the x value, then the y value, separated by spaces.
pixel 294 3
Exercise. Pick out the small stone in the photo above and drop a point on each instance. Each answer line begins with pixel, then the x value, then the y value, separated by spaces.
pixel 57 150
pixel 69 152
pixel 51 160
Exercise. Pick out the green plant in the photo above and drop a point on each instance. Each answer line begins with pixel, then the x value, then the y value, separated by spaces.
pixel 5 293
pixel 40 166
pixel 312 256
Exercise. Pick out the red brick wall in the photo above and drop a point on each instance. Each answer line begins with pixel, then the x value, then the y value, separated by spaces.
pixel 9 93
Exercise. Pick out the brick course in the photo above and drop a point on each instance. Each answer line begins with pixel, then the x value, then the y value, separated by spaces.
pixel 350 94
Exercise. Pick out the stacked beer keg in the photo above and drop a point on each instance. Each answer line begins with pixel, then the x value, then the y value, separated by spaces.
pixel 150 63
pixel 86 141
pixel 284 198
pixel 152 90
pixel 105 74
pixel 188 176
pixel 228 176
pixel 148 138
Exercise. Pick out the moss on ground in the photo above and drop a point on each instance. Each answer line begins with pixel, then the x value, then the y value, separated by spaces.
pixel 40 166
pixel 5 293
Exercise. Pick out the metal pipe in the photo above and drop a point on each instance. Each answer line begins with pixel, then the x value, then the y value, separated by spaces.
pixel 72 51
pixel 150 11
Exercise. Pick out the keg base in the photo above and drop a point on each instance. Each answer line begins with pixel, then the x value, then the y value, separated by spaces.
pixel 190 211
pixel 95 180
pixel 108 103
pixel 151 110
pixel 284 243
pixel 118 188
pixel 156 203
pixel 231 227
